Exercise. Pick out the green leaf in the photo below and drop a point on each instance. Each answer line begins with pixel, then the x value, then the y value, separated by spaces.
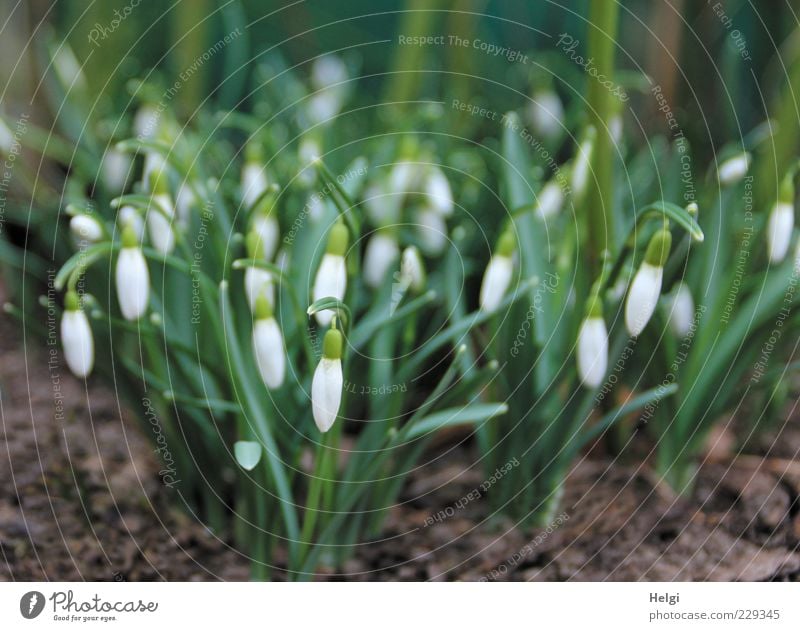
pixel 330 303
pixel 80 261
pixel 248 454
pixel 468 415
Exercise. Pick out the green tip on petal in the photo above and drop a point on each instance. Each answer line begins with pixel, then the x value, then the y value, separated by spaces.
pixel 505 244
pixel 129 239
pixel 658 248
pixel 787 190
pixel 72 302
pixel 263 308
pixel 252 242
pixel 160 182
pixel 332 344
pixel 338 239
pixel 253 152
pixel 594 306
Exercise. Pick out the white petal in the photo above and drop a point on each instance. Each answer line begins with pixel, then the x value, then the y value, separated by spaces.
pixel 129 217
pixel 76 338
pixel 412 270
pixel 269 352
pixel 328 70
pixel 592 351
pixel 440 196
pixel 115 167
pixel 159 227
pixel 381 252
pixel 681 311
pixel 258 282
pixel 734 169
pixel 133 283
pixel 779 231
pixel 86 229
pixel 496 280
pixel 331 281
pixel 145 123
pixel 432 231
pixel 254 183
pixel 268 234
pixel 404 178
pixel 326 392
pixel 382 208
pixel 324 105
pixel 153 163
pixel 642 297
pixel 546 113
pixel 549 200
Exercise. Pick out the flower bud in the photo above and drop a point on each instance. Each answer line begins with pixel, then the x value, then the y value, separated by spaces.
pixel 593 345
pixel 439 193
pixel 115 167
pixel 268 345
pixel 76 337
pixel 681 311
pixel 546 114
pixel 132 276
pixel 549 200
pixel 86 230
pixel 646 286
pixel 145 123
pixel 733 169
pixel 257 281
pixel 159 224
pixel 326 387
pixel 781 222
pixel 382 250
pixel 412 270
pixel 268 231
pixel 499 271
pixel 331 279
pixel 432 231
pixel 128 216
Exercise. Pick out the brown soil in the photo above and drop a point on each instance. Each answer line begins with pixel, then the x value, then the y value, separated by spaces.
pixel 80 498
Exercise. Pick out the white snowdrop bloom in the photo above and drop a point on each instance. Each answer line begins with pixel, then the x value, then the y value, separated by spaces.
pixel 86 230
pixel 412 269
pixel 115 168
pixel 323 106
pixel 331 279
pixel 432 230
pixel 76 337
pixel 581 164
pixel 382 251
pixel 549 200
pixel 145 123
pixel 404 178
pixel 254 183
pixel 128 216
pixel 498 274
pixel 440 195
pixel 159 226
pixel 132 277
pixel 646 286
pixel 681 311
pixel 779 231
pixel 546 113
pixel 268 231
pixel 593 350
pixel 154 164
pixel 326 386
pixel 258 282
pixel 734 169
pixel 328 70
pixel 268 346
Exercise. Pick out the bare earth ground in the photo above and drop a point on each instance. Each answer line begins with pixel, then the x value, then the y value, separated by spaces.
pixel 80 499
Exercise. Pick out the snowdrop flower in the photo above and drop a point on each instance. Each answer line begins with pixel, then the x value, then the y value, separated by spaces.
pixel 326 387
pixel 331 279
pixel 257 281
pixel 115 167
pixel 681 311
pixel 128 216
pixel 382 250
pixel 546 113
pixel 154 164
pixel 328 71
pixel 404 178
pixel 86 230
pixel 133 279
pixel 328 78
pixel 268 345
pixel 440 195
pixel 412 269
pixel 734 169
pixel 382 209
pixel 581 165
pixel 781 223
pixel 254 183
pixel 145 123
pixel 432 230
pixel 265 225
pixel 159 224
pixel 76 337
pixel 549 200
pixel 593 345
pixel 499 271
pixel 646 286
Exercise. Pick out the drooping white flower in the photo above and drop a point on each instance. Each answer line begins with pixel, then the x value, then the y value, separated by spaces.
pixel 412 269
pixel 268 346
pixel 681 311
pixel 128 216
pixel 779 231
pixel 327 71
pixel 159 224
pixel 431 230
pixel 497 276
pixel 382 250
pixel 328 78
pixel 132 276
pixel 734 169
pixel 438 191
pixel 326 386
pixel 254 183
pixel 646 286
pixel 546 114
pixel 76 337
pixel 593 349
pixel 581 164
pixel 154 165
pixel 404 178
pixel 331 279
pixel 549 200
pixel 115 167
pixel 268 231
pixel 145 123
pixel 258 282
pixel 86 229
